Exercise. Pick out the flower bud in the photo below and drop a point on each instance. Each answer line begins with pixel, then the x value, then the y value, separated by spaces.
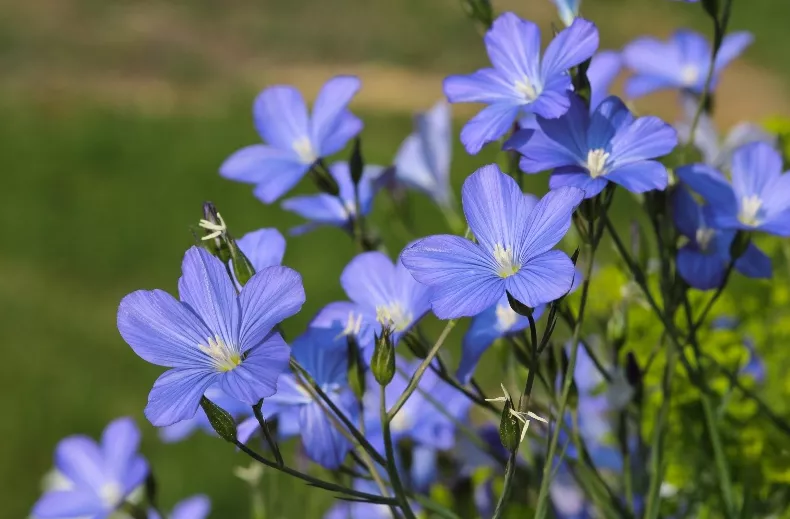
pixel 509 428
pixel 383 362
pixel 242 268
pixel 220 420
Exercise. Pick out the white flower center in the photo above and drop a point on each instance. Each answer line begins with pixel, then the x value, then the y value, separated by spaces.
pixel 505 317
pixel 225 356
pixel 596 162
pixel 111 494
pixel 350 207
pixel 394 315
pixel 689 74
pixel 506 262
pixel 750 210
pixel 353 325
pixel 704 236
pixel 401 421
pixel 304 148
pixel 526 89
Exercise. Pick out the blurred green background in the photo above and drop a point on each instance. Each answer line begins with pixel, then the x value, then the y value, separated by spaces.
pixel 114 118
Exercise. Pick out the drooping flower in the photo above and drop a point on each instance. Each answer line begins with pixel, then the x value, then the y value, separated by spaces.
pixel 382 294
pixel 568 10
pixel 97 476
pixel 587 151
pixel 420 419
pixel 715 152
pixel 212 335
pixel 703 261
pixel 520 81
pixel 757 198
pixel 681 62
pixel 423 160
pixel 323 353
pixel 515 235
pixel 294 140
pixel 495 322
pixel 183 429
pixel 195 507
pixel 338 211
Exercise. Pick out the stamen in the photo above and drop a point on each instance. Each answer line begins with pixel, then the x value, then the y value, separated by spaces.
pixel 225 357
pixel 505 317
pixel 750 210
pixel 216 228
pixel 689 74
pixel 394 315
pixel 506 262
pixel 596 162
pixel 353 325
pixel 526 89
pixel 704 236
pixel 111 494
pixel 304 148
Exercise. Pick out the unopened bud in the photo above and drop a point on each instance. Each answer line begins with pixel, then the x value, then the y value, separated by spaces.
pixel 220 420
pixel 383 362
pixel 509 428
pixel 242 268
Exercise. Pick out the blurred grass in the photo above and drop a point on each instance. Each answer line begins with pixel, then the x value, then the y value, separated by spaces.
pixel 99 198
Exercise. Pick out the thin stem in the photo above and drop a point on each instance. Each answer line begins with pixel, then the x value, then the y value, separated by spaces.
pixel 256 409
pixel 392 469
pixel 415 379
pixel 316 482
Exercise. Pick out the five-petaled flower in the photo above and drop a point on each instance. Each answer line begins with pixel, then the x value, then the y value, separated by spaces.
pixel 338 211
pixel 96 478
pixel 212 335
pixel 520 81
pixel 681 62
pixel 757 198
pixel 588 151
pixel 515 235
pixel 294 140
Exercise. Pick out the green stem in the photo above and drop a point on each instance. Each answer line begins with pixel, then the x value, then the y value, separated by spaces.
pixel 392 469
pixel 256 409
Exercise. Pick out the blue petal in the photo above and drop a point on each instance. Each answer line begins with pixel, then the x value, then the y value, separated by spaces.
pixel 278 179
pixel 261 164
pixel 80 460
pixel 554 100
pixel 176 395
pixel 700 270
pixel 779 224
pixel 686 213
pixel 180 430
pixel 496 209
pixel 603 69
pixel 647 138
pixel 280 116
pixel 347 127
pixel 755 167
pixel 344 313
pixel 323 352
pixel 196 507
pixel 368 280
pixel 270 296
pixel 513 46
pixel 264 247
pixel 68 503
pixel 161 330
pixel 424 467
pixel 655 64
pixel 329 110
pixel 320 209
pixel 578 177
pixel 483 331
pixel 542 279
pixel 256 376
pixel 489 125
pixel 208 290
pixel 416 295
pixel 754 263
pixel 559 142
pixel 711 185
pixel 639 177
pixel 732 46
pixel 607 120
pixel 322 442
pixel 119 445
pixel 549 221
pixel 569 48
pixel 463 278
pixel 638 86
pixel 484 86
pixel 246 429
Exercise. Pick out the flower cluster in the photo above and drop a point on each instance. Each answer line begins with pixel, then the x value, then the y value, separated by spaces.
pixel 374 400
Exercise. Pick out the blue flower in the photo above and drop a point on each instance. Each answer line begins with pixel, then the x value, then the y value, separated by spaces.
pixel 715 152
pixel 212 335
pixel 703 261
pixel 382 294
pixel 294 140
pixel 568 10
pixel 520 81
pixel 515 235
pixel 681 62
pixel 588 151
pixel 322 352
pixel 418 420
pixel 423 160
pixel 757 199
pixel 98 477
pixel 183 429
pixel 195 507
pixel 493 323
pixel 338 211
